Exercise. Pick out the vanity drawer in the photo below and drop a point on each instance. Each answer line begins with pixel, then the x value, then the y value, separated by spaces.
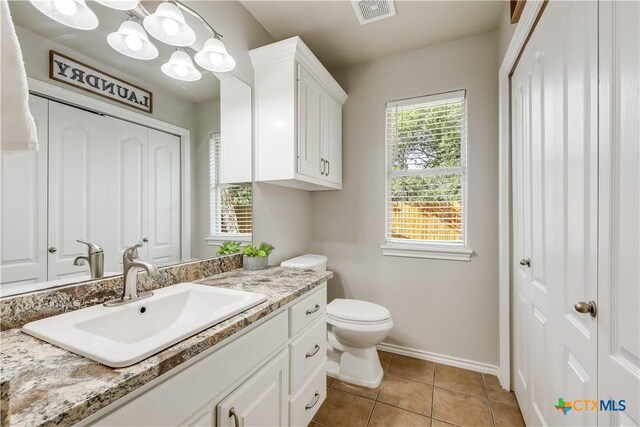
pixel 304 405
pixel 306 352
pixel 308 310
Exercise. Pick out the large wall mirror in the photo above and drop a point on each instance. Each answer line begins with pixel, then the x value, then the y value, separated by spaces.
pixel 176 180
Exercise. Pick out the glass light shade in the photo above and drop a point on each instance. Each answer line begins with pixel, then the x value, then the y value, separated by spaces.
pixel 72 13
pixel 119 4
pixel 167 24
pixel 181 67
pixel 214 56
pixel 132 41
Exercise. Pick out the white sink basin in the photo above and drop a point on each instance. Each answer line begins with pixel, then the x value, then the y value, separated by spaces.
pixel 123 335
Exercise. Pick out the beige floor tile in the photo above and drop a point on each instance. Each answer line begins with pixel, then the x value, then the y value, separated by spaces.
pixel 312 424
pixel 369 393
pixel 461 409
pixel 406 394
pixel 385 358
pixel 410 368
pixel 496 392
pixel 390 416
pixel 506 415
pixel 344 409
pixel 329 380
pixel 458 379
pixel 440 423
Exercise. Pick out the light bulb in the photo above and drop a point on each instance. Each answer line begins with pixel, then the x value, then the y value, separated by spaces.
pixel 133 43
pixel 66 7
pixel 170 26
pixel 181 70
pixel 215 58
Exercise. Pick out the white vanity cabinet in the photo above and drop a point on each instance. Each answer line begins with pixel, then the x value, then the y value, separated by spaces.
pixel 298 118
pixel 272 373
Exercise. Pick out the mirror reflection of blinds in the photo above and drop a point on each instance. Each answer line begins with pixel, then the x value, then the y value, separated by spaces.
pixel 425 190
pixel 230 205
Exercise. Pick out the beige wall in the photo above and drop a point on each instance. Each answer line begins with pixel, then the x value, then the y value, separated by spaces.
pixel 443 307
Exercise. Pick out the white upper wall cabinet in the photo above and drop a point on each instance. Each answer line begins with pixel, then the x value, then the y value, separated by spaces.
pixel 298 118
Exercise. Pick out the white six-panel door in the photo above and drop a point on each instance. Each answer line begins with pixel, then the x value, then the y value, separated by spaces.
pixel 24 208
pixel 619 246
pixel 554 125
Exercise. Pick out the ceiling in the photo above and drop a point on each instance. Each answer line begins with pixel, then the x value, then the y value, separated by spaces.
pixel 93 44
pixel 332 31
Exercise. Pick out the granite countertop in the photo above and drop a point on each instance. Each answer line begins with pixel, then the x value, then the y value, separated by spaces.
pixel 45 385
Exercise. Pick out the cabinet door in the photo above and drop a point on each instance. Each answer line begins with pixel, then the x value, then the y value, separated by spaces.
pixel 332 141
pixel 262 400
pixel 163 231
pixel 24 208
pixel 310 99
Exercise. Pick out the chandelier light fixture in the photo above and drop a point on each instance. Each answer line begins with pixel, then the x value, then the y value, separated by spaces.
pixel 132 41
pixel 72 13
pixel 167 24
pixel 180 67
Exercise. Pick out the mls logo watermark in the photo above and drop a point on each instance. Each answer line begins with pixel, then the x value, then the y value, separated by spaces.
pixel 590 405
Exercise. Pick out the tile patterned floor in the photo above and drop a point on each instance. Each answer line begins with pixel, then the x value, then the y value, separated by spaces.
pixel 419 393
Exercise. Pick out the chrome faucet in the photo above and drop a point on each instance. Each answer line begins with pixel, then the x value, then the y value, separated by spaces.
pixel 132 265
pixel 95 258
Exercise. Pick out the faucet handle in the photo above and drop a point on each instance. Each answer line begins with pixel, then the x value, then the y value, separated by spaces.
pixel 131 252
pixel 92 247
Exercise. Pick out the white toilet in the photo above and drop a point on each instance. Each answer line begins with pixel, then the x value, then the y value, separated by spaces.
pixel 354 328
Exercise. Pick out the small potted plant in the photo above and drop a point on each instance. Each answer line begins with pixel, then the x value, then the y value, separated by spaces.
pixel 256 257
pixel 229 248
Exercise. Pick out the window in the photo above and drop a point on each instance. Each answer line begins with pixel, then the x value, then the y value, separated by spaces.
pixel 425 192
pixel 230 205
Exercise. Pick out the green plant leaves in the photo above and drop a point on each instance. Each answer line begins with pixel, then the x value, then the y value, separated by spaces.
pixel 228 248
pixel 260 251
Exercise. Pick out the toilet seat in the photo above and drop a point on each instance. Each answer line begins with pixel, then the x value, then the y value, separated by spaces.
pixel 351 311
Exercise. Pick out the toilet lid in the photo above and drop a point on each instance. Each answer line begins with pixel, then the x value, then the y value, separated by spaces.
pixel 356 310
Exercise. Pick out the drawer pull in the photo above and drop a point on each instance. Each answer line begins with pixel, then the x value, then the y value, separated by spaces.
pixel 313 352
pixel 313 310
pixel 315 401
pixel 236 420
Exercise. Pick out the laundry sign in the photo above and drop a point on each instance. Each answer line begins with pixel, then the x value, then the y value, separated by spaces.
pixel 75 73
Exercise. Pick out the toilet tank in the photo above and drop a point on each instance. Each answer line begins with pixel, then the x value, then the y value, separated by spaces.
pixel 307 262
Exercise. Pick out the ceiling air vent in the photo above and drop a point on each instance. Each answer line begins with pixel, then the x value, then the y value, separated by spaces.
pixel 373 10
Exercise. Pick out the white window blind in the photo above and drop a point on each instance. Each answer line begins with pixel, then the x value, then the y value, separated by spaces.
pixel 425 191
pixel 230 205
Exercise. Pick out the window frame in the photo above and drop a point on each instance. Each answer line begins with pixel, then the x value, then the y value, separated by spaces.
pixel 213 238
pixel 458 251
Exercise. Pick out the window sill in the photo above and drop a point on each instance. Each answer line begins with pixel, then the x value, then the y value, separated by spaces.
pixel 218 239
pixel 430 251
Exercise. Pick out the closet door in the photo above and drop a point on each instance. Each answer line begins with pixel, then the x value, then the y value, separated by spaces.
pixel 163 232
pixel 24 208
pixel 78 177
pixel 619 273
pixel 127 146
pixel 554 122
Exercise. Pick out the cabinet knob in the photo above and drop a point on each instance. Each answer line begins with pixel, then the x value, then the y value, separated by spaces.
pixel 328 168
pixel 525 262
pixel 145 239
pixel 323 164
pixel 52 249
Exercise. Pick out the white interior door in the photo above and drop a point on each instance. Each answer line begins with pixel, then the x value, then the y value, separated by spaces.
pixel 127 154
pixel 554 122
pixel 619 249
pixel 163 233
pixel 24 208
pixel 78 176
pixel 310 95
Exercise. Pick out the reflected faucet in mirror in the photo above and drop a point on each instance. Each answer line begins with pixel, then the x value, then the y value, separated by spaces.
pixel 95 258
pixel 132 265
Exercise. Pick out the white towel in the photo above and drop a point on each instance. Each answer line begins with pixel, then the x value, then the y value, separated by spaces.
pixel 18 129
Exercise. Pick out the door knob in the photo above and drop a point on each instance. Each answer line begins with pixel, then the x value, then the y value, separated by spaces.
pixel 525 262
pixel 587 307
pixel 53 249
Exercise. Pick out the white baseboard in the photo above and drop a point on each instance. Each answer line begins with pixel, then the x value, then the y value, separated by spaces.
pixel 472 365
